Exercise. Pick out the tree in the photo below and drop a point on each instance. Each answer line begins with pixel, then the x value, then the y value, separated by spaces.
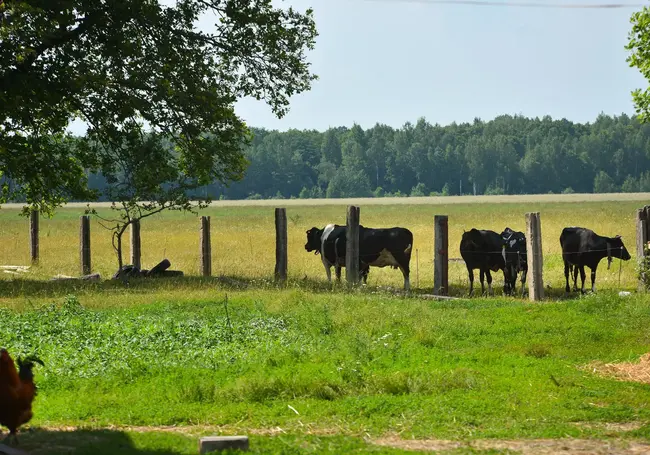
pixel 603 183
pixel 349 182
pixel 141 76
pixel 639 47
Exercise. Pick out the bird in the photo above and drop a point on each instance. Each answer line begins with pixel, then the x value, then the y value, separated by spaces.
pixel 17 392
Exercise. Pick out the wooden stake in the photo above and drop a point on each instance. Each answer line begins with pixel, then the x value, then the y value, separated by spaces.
pixel 33 236
pixel 352 246
pixel 535 258
pixel 441 255
pixel 281 246
pixel 206 247
pixel 136 251
pixel 84 244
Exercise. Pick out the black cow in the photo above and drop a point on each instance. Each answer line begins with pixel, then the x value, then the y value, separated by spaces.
pixel 377 248
pixel 583 247
pixel 516 260
pixel 482 249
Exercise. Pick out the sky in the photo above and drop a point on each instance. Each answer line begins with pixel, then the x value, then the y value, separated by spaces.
pixel 393 61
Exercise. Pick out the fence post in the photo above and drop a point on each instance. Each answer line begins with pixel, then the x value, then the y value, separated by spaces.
pixel 84 244
pixel 206 247
pixel 441 255
pixel 535 258
pixel 641 241
pixel 33 236
pixel 352 246
pixel 136 252
pixel 281 244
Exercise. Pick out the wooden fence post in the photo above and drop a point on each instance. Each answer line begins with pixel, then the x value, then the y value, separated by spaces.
pixel 352 246
pixel 535 258
pixel 206 247
pixel 33 236
pixel 641 241
pixel 281 244
pixel 136 251
pixel 441 255
pixel 84 244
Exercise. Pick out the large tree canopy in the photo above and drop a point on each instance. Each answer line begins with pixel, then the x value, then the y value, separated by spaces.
pixel 639 46
pixel 130 67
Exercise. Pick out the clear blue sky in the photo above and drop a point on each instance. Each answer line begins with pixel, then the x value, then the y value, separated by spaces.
pixel 394 61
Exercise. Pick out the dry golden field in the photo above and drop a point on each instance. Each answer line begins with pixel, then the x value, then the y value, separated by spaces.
pixel 243 237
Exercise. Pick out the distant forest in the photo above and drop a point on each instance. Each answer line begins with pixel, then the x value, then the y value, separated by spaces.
pixel 507 155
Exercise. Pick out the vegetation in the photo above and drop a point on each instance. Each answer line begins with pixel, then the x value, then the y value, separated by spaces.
pixel 243 238
pixel 131 68
pixel 315 363
pixel 507 155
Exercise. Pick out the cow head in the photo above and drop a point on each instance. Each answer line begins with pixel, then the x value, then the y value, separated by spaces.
pixel 472 238
pixel 313 240
pixel 617 249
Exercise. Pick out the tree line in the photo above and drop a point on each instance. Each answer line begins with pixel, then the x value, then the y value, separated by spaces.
pixel 507 155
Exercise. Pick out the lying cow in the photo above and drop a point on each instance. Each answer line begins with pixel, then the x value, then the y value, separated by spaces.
pixel 377 248
pixel 583 247
pixel 515 258
pixel 482 249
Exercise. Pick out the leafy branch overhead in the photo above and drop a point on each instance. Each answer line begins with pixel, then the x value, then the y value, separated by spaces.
pixel 156 91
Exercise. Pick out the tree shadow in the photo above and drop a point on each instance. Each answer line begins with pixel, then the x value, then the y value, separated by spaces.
pixel 36 441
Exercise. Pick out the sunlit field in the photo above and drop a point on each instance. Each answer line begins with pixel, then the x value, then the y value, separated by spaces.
pixel 243 236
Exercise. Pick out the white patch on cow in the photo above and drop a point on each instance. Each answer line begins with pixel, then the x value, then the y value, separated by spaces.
pixel 326 232
pixel 384 259
pixel 408 249
pixel 512 243
pixel 407 284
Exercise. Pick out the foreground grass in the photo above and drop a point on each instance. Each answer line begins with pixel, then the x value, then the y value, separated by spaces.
pixel 315 364
pixel 243 238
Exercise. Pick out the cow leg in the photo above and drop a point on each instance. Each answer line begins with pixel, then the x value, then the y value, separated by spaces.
pixel 482 279
pixel 337 270
pixel 328 270
pixel 566 276
pixel 576 270
pixel 582 279
pixel 506 281
pixel 523 281
pixel 489 281
pixel 593 279
pixel 470 273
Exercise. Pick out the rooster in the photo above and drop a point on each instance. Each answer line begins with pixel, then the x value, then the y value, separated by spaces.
pixel 17 391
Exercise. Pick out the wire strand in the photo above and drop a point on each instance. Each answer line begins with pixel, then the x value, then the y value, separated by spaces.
pixel 520 4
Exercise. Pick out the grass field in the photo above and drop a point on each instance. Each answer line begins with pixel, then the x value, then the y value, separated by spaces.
pixel 243 237
pixel 149 367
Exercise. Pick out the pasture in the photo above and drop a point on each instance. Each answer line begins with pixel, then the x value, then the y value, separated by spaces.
pixel 243 237
pixel 149 367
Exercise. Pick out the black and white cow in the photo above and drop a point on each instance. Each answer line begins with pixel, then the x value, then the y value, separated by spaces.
pixel 583 247
pixel 332 252
pixel 482 249
pixel 377 248
pixel 516 260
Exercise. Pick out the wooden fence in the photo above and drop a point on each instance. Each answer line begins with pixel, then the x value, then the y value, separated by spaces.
pixel 441 248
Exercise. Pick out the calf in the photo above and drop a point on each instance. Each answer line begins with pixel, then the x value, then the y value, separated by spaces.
pixel 482 249
pixel 515 258
pixel 583 247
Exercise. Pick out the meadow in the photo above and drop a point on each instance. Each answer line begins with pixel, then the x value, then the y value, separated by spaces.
pixel 243 237
pixel 149 367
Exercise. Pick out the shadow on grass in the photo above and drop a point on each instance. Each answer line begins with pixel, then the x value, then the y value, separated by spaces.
pixel 104 442
pixel 29 288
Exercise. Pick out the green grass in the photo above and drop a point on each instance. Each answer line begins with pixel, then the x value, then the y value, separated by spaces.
pixel 314 369
pixel 353 366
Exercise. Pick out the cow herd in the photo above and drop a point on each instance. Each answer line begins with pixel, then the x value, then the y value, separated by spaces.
pixel 481 249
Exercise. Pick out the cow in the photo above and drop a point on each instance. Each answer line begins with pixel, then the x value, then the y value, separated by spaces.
pixel 515 258
pixel 377 248
pixel 326 242
pixel 482 249
pixel 583 247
